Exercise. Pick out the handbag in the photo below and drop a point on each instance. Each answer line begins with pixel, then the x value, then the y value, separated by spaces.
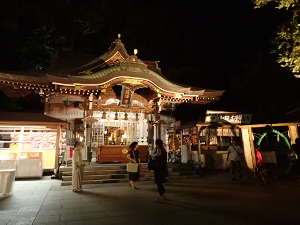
pixel 132 167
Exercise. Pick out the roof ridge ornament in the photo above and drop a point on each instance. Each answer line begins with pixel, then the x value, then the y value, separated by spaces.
pixel 133 59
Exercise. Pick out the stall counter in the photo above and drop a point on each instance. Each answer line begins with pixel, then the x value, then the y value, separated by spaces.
pixel 25 168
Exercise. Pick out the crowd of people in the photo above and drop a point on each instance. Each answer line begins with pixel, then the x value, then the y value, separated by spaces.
pixel 263 168
pixel 157 162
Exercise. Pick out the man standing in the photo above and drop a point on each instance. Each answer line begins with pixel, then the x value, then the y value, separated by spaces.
pixel 235 156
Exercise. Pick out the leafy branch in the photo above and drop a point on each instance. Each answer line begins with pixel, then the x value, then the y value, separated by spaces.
pixel 287 40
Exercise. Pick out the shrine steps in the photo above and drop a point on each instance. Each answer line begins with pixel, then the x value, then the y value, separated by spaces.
pixel 99 174
pixel 97 177
pixel 104 181
pixel 96 167
pixel 117 173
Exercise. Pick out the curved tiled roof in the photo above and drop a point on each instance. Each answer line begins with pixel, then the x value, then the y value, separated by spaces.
pixel 116 46
pixel 110 68
pixel 130 71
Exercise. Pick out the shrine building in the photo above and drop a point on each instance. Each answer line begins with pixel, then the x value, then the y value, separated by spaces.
pixel 108 103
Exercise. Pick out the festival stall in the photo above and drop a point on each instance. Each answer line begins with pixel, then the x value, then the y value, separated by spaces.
pixel 30 143
pixel 216 134
pixel 274 141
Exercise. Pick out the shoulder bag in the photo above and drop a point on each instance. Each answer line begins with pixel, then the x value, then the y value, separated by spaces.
pixel 132 167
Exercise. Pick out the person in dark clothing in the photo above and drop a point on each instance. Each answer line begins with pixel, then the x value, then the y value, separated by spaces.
pixel 296 150
pixel 133 156
pixel 160 168
pixel 296 147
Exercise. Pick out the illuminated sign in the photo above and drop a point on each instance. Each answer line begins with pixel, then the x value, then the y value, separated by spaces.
pixel 227 117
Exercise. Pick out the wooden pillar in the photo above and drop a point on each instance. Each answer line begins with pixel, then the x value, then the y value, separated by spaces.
pixel 154 134
pixel 58 134
pixel 87 134
pixel 88 122
pixel 158 126
pixel 249 150
pixel 293 132
pixel 157 120
pixel 151 132
pixel 201 157
pixel 46 105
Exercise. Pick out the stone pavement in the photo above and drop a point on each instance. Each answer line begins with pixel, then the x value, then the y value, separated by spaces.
pixel 211 200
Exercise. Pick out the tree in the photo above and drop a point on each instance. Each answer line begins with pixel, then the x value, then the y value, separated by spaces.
pixel 280 4
pixel 37 48
pixel 287 40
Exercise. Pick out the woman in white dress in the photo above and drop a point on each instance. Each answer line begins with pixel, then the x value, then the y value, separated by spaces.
pixel 77 167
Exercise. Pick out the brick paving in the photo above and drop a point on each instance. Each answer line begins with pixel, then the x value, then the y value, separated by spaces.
pixel 210 200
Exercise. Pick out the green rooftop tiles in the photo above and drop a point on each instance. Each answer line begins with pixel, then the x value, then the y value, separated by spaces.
pixel 133 69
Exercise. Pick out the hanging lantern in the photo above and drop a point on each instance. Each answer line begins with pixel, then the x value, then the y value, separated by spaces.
pixel 104 115
pixel 136 116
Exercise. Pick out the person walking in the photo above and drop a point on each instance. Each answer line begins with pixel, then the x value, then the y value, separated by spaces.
pixel 296 148
pixel 133 157
pixel 293 158
pixel 160 168
pixel 235 158
pixel 260 170
pixel 77 167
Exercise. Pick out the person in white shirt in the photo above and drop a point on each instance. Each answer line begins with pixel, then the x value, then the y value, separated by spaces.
pixel 235 157
pixel 77 167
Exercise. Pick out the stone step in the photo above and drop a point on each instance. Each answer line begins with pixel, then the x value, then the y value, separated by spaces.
pixel 105 168
pixel 121 176
pixel 108 178
pixel 98 177
pixel 102 172
pixel 67 183
pixel 97 172
pixel 113 166
pixel 103 181
pixel 117 173
pixel 98 168
pixel 124 172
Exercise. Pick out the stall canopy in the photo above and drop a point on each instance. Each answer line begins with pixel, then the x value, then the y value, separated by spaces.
pixel 26 118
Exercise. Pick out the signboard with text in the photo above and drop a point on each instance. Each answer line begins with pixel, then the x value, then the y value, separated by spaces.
pixel 229 117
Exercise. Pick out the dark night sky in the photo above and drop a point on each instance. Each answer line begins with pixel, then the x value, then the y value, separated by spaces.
pixel 214 44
